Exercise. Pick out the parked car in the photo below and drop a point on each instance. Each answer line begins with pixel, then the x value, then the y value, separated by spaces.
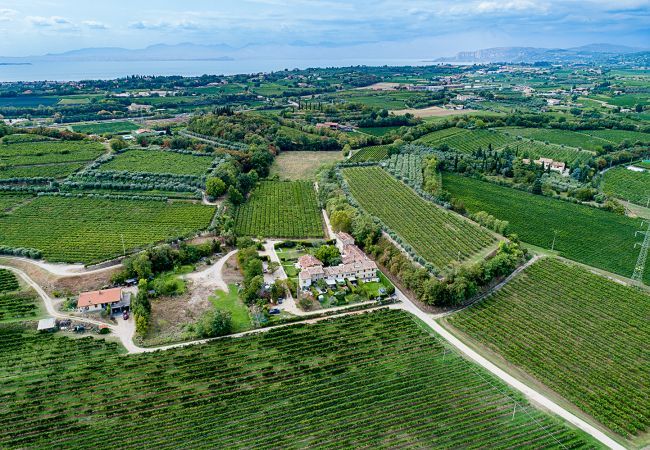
pixel 125 315
pixel 274 311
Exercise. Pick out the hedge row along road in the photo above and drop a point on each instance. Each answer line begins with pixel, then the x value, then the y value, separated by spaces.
pixel 87 230
pixel 374 380
pixel 286 209
pixel 437 235
pixel 588 235
pixel 580 334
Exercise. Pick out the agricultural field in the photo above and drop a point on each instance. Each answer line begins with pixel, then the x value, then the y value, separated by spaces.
pixel 466 141
pixel 89 230
pixel 55 170
pixel 8 281
pixel 10 200
pixel 580 334
pixel 281 209
pixel 302 165
pixel 618 136
pixel 560 137
pixel 406 165
pixel 48 152
pixel 378 131
pixel 373 380
pixel 627 184
pixel 536 149
pixel 15 304
pixel 28 101
pixel 588 235
pixel 159 161
pixel 372 153
pixel 437 235
pixel 105 127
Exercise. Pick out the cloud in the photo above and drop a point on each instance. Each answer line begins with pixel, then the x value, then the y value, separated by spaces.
pixel 51 23
pixel 94 25
pixel 7 15
pixel 183 25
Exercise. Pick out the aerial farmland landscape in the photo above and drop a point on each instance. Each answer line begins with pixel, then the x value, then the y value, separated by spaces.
pixel 370 224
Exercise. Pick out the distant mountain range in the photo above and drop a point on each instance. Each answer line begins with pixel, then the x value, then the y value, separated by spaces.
pixel 158 52
pixel 222 52
pixel 586 53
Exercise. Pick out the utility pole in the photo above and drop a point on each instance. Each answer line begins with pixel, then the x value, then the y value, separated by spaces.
pixel 639 268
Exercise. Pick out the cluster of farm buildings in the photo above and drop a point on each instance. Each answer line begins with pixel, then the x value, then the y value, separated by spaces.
pixel 355 266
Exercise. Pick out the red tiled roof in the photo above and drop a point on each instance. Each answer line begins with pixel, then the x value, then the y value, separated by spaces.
pixel 99 297
pixel 308 261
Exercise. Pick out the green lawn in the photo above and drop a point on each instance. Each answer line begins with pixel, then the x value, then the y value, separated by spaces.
pixel 230 301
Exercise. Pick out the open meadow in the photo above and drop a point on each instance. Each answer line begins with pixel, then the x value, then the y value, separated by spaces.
pixel 374 380
pixel 439 236
pixel 302 165
pixel 580 334
pixel 588 235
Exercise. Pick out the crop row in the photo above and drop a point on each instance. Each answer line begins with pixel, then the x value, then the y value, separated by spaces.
pixel 579 333
pixel 585 234
pixel 627 184
pixel 18 306
pixel 280 209
pixel 370 380
pixel 437 235
pixel 406 165
pixel 88 230
pixel 158 161
pixel 373 153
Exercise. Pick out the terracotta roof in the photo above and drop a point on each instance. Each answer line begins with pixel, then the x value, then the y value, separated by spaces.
pixel 99 297
pixel 308 261
pixel 345 236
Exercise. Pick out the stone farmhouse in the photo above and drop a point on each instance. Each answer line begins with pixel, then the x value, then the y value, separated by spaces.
pixel 355 266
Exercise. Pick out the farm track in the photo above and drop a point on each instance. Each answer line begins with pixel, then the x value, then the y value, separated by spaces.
pixel 124 330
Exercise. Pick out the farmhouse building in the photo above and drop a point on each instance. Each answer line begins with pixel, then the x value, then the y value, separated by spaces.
pixel 355 266
pixel 95 301
pixel 556 166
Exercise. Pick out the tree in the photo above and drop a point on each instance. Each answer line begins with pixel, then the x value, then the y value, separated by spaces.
pixel 118 144
pixel 235 197
pixel 142 266
pixel 215 187
pixel 214 323
pixel 328 254
pixel 537 186
pixel 341 220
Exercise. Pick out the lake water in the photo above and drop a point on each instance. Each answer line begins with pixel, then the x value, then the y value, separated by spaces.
pixel 104 70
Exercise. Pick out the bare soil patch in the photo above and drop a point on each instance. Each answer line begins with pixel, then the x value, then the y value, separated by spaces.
pixel 230 272
pixel 381 86
pixel 433 111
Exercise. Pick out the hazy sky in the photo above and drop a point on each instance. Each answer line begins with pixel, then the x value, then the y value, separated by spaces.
pixel 409 27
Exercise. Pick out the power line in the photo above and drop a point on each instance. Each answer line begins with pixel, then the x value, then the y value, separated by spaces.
pixel 639 268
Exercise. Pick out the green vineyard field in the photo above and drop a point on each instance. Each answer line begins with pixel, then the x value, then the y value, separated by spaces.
pixel 560 137
pixel 157 161
pixel 374 153
pixel 437 235
pixel 372 380
pixel 281 209
pixel 588 235
pixel 50 151
pixel 466 141
pixel 578 333
pixel 627 184
pixel 89 230
pixel 8 281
